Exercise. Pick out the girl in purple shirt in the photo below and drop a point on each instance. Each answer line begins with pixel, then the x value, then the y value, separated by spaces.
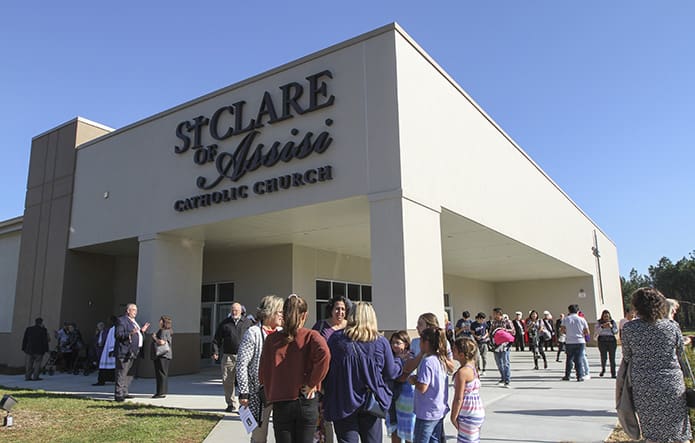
pixel 431 387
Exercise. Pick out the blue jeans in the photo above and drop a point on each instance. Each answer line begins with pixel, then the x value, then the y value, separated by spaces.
pixel 429 431
pixel 502 361
pixel 575 354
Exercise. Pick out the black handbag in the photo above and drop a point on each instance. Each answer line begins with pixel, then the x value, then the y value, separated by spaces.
pixel 371 405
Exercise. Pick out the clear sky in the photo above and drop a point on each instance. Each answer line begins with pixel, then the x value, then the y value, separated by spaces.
pixel 601 94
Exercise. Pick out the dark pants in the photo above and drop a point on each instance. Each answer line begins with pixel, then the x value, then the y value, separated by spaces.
pixel 161 372
pixel 607 350
pixel 548 343
pixel 33 366
pixel 295 421
pixel 358 427
pixel 106 375
pixel 560 349
pixel 538 352
pixel 519 340
pixel 575 353
pixel 123 378
pixel 482 356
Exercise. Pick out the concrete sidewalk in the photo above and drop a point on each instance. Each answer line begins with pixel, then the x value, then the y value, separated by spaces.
pixel 539 407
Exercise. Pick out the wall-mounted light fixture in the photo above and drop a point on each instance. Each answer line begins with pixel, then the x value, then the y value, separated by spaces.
pixel 581 294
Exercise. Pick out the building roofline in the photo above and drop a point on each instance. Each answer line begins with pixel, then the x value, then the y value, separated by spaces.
pixel 11 225
pixel 436 66
pixel 391 27
pixel 71 121
pixel 253 79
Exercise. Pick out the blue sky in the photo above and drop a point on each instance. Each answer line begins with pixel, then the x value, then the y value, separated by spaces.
pixel 600 94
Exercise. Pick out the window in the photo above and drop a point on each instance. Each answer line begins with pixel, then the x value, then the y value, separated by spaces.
pixel 216 300
pixel 326 289
pixel 217 292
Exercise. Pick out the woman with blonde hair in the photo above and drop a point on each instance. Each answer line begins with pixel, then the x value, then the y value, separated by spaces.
pixel 361 362
pixel 293 363
pixel 251 394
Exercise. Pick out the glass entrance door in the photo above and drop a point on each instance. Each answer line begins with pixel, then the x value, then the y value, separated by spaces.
pixel 211 315
pixel 215 302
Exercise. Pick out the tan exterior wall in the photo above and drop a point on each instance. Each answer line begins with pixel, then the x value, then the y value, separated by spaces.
pixel 550 295
pixel 43 261
pixel 470 295
pixel 255 272
pixel 309 264
pixel 480 173
pixel 9 260
pixel 87 291
pixel 125 282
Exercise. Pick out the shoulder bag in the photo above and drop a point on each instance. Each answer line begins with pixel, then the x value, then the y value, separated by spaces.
pixel 160 350
pixel 371 404
pixel 624 404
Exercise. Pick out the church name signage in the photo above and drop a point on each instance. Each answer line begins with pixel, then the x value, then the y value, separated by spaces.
pixel 242 125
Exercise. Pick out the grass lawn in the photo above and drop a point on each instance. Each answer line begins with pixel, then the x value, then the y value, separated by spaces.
pixel 47 416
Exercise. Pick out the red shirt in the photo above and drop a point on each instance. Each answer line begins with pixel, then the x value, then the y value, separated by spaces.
pixel 285 367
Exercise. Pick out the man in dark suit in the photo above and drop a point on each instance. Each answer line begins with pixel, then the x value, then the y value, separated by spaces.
pixel 35 345
pixel 129 338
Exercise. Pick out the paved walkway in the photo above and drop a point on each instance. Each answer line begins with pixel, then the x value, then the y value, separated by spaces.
pixel 539 407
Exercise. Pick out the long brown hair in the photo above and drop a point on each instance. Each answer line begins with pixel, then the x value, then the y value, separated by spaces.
pixel 293 309
pixel 467 347
pixel 436 339
pixel 166 321
pixel 430 320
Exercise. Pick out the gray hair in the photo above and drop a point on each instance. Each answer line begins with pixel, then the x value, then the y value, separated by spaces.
pixel 269 305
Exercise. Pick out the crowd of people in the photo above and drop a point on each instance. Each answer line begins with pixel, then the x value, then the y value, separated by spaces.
pixel 342 377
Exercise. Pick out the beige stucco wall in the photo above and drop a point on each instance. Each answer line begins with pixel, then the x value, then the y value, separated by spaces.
pixel 552 295
pixel 9 260
pixel 361 153
pixel 309 264
pixel 282 270
pixel 255 272
pixel 125 282
pixel 454 156
pixel 466 294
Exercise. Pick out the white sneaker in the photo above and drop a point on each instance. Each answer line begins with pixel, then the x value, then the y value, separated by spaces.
pixel 587 377
pixel 501 382
pixel 482 374
pixel 506 385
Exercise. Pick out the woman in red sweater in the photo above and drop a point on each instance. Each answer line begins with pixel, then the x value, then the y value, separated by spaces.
pixel 294 361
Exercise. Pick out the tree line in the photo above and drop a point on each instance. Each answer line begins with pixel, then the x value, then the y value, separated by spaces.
pixel 674 280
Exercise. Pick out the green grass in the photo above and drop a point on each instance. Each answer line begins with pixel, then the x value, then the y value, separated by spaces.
pixel 47 416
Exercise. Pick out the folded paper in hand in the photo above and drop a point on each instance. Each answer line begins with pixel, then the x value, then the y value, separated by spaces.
pixel 247 419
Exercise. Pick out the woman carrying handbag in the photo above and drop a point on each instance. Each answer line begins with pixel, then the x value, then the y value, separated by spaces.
pixel 161 354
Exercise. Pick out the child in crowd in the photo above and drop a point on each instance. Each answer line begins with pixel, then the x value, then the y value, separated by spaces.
pixel 467 411
pixel 431 390
pixel 400 421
